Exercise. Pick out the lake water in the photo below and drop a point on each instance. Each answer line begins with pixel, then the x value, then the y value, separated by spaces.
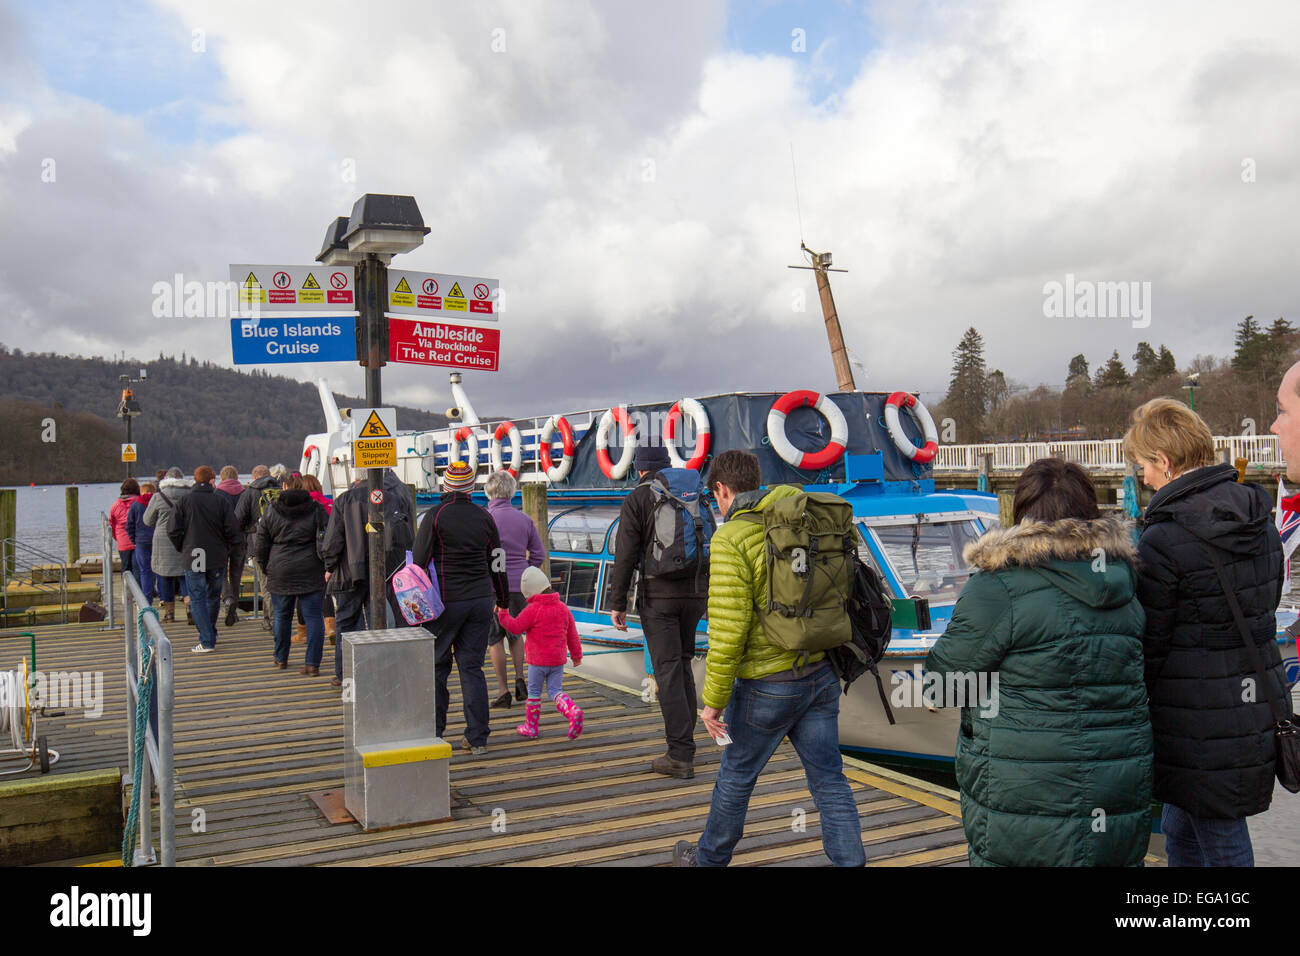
pixel 42 521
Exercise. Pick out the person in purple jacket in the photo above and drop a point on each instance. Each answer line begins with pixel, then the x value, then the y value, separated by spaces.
pixel 523 547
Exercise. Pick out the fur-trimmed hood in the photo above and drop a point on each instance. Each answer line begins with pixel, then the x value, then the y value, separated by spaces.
pixel 1032 543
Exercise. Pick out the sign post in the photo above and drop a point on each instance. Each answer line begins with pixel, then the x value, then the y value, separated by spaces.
pixel 372 351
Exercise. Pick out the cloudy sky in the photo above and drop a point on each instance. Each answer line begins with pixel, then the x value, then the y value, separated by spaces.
pixel 625 171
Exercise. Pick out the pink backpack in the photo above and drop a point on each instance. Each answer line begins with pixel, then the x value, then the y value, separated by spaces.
pixel 417 592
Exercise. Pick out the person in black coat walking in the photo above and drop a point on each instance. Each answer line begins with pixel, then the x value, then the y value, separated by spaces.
pixel 670 612
pixel 1213 724
pixel 203 530
pixel 460 540
pixel 287 546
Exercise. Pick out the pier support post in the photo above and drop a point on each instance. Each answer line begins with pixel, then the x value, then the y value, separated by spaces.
pixel 73 510
pixel 534 493
pixel 1006 509
pixel 8 525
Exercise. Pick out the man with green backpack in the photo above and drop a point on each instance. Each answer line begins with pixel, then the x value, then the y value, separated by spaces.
pixel 780 575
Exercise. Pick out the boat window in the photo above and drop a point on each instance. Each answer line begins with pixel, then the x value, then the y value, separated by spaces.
pixel 575 582
pixel 582 529
pixel 927 557
pixel 868 558
pixel 631 591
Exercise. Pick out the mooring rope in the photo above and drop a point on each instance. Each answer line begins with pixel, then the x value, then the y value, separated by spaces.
pixel 144 696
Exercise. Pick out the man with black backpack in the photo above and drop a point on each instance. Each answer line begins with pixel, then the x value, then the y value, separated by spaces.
pixel 347 556
pixel 252 503
pixel 663 529
pixel 782 574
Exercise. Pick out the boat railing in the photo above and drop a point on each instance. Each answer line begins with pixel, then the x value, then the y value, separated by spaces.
pixel 144 632
pixel 22 564
pixel 1105 454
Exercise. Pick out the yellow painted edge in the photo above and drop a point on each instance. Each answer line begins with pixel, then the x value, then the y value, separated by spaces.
pixel 389 758
pixel 923 797
pixel 893 774
pixel 104 863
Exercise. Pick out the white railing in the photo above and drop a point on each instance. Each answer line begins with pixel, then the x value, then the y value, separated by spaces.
pixel 1100 455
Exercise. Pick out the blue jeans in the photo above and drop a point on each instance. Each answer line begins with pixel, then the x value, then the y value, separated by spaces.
pixel 169 588
pixel 1202 841
pixel 282 624
pixel 462 630
pixel 205 602
pixel 761 714
pixel 143 567
pixel 549 679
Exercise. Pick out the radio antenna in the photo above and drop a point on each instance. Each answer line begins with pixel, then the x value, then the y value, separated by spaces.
pixel 797 208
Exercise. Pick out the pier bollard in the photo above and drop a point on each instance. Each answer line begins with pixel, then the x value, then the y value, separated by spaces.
pixel 395 766
pixel 73 511
pixel 534 493
pixel 8 525
pixel 1006 508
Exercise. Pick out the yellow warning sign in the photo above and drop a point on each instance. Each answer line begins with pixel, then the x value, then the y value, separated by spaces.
pixel 375 452
pixel 252 290
pixel 128 452
pixel 374 428
pixel 454 301
pixel 311 291
pixel 402 294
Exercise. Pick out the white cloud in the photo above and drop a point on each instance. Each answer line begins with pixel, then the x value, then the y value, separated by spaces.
pixel 631 186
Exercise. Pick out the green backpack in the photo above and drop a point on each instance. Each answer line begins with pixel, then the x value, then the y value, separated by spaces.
pixel 811 543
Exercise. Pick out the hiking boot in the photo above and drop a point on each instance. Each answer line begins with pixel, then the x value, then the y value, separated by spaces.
pixel 169 612
pixel 666 765
pixel 299 635
pixel 473 751
pixel 279 664
pixel 310 670
pixel 685 854
pixel 232 616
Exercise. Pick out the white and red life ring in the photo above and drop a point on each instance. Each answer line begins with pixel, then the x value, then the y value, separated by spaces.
pixel 516 448
pixel 829 411
pixel 899 400
pixel 463 434
pixel 554 472
pixel 703 436
pixel 604 430
pixel 310 454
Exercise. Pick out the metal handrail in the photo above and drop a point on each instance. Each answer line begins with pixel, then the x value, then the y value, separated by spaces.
pixel 158 733
pixel 11 549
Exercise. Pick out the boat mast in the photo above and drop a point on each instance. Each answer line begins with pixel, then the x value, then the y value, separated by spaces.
pixel 839 354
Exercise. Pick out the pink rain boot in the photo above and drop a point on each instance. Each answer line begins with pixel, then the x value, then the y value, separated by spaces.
pixel 565 705
pixel 532 717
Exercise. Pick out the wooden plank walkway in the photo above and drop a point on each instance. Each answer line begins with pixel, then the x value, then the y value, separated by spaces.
pixel 253 742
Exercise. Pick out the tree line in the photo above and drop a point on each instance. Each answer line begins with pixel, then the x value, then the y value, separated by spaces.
pixel 1234 395
pixel 193 413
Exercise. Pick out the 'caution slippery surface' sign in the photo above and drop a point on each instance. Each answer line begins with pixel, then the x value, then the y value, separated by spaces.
pixel 374 438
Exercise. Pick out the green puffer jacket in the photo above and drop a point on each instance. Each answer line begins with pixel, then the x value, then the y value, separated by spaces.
pixel 1057 772
pixel 738 580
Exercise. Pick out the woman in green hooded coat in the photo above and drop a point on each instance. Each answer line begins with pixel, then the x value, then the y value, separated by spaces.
pixel 1055 765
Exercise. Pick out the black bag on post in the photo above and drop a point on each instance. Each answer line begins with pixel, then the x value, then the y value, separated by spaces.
pixel 1286 731
pixel 870 613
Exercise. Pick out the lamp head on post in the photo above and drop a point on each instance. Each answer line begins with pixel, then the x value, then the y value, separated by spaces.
pixel 334 250
pixel 384 226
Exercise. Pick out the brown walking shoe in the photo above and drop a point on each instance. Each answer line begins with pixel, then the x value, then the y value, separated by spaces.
pixel 310 671
pixel 669 767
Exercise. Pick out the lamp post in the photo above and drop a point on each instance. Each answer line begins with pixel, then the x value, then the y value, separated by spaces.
pixel 129 408
pixel 380 227
pixel 1191 385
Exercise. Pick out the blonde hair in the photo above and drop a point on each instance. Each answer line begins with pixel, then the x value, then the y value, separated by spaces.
pixel 1164 425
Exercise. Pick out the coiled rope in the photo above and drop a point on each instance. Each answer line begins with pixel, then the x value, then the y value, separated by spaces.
pixel 144 697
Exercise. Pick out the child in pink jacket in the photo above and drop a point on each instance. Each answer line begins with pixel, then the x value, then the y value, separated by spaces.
pixel 551 633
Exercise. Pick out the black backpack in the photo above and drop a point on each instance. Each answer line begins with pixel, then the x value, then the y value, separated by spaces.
pixel 870 613
pixel 681 524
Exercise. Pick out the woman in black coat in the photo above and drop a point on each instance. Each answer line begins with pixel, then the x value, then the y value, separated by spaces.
pixel 1213 723
pixel 287 547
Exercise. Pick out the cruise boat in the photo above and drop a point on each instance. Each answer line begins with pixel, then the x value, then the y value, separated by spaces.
pixel 871 448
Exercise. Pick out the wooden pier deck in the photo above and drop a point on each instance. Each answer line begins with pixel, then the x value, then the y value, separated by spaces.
pixel 253 742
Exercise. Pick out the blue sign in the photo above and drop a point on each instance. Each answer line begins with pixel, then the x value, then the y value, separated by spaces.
pixel 268 341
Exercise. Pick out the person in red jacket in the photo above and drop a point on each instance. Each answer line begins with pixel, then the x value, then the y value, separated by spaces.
pixel 117 516
pixel 551 634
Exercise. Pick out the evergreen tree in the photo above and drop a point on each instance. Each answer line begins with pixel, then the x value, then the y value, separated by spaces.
pixel 1165 364
pixel 968 391
pixel 998 390
pixel 1146 361
pixel 1113 374
pixel 1078 372
pixel 1251 345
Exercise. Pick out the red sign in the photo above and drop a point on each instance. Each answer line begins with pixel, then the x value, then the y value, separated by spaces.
pixel 377 496
pixel 439 343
